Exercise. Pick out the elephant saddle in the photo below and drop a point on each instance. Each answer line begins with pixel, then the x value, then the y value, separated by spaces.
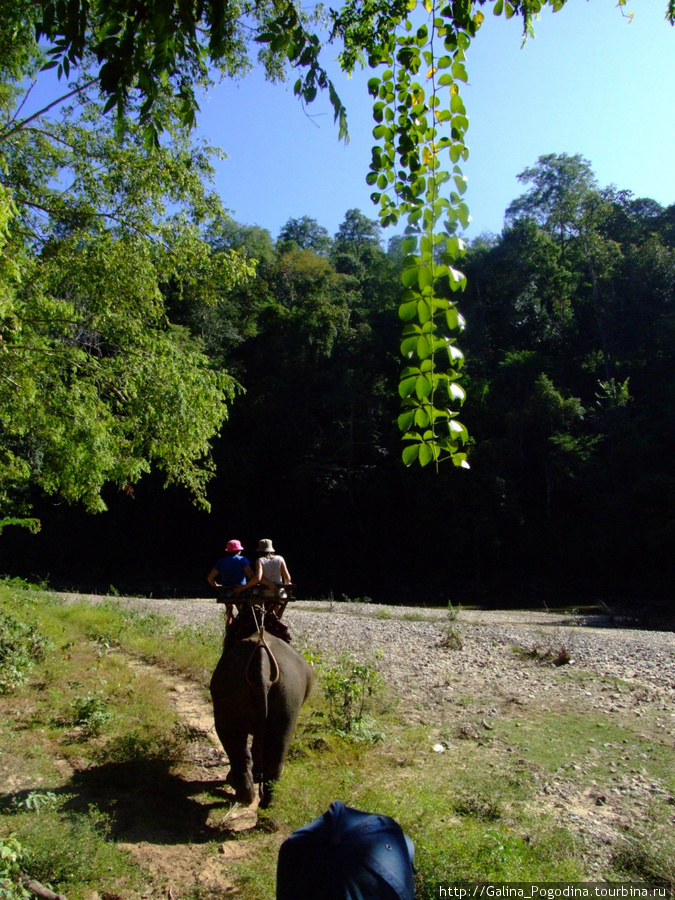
pixel 246 624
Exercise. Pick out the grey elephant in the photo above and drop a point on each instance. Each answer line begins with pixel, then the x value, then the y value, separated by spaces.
pixel 257 689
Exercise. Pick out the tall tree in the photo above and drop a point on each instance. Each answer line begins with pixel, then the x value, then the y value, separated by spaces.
pixel 306 234
pixel 561 186
pixel 96 384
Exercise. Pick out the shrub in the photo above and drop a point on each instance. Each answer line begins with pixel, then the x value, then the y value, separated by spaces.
pixel 11 853
pixel 347 686
pixel 90 712
pixel 21 646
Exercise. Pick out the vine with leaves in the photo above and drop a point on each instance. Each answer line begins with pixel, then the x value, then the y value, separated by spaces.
pixel 421 126
pixel 415 129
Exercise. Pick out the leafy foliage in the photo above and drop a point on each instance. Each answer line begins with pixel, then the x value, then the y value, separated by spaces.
pixel 21 646
pixel 97 384
pixel 11 853
pixel 347 686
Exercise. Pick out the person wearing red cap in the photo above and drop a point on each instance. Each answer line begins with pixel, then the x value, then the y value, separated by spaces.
pixel 347 854
pixel 228 573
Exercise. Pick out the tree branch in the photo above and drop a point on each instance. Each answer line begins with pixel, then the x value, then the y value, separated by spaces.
pixel 39 889
pixel 21 125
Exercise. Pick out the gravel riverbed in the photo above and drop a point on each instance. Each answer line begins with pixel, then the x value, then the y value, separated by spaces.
pixel 413 648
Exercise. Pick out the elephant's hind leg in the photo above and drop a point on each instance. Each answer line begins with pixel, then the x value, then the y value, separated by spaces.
pixel 235 743
pixel 278 736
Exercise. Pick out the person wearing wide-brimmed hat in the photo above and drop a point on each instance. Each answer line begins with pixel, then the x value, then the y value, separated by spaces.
pixel 271 571
pixel 229 573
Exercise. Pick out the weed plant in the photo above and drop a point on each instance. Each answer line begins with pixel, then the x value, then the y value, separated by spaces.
pixel 11 855
pixel 647 857
pixel 348 687
pixel 548 650
pixel 21 647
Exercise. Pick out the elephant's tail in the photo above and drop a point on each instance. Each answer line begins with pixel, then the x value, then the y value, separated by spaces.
pixel 261 672
pixel 259 680
pixel 275 671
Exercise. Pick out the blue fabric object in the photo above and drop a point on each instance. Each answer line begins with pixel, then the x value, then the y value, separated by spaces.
pixel 231 570
pixel 346 854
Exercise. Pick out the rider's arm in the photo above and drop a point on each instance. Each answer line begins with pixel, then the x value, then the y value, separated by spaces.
pixel 211 578
pixel 252 579
pixel 285 574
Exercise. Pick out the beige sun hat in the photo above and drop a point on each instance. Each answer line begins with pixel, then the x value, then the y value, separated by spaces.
pixel 266 546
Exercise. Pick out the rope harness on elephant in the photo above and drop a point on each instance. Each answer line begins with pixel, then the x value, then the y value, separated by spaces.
pixel 262 643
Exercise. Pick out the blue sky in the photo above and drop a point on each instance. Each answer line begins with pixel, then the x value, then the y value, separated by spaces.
pixel 591 82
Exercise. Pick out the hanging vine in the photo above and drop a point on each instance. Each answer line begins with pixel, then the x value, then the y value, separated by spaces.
pixel 419 47
pixel 421 122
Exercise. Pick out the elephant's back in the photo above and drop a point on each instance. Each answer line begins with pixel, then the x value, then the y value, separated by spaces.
pixel 246 661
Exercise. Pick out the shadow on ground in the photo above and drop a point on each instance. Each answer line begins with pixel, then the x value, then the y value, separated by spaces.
pixel 144 802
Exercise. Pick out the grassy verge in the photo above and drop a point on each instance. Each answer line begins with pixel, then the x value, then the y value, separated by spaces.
pixel 93 763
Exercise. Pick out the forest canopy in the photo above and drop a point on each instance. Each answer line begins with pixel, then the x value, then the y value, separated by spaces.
pixel 570 366
pixel 121 282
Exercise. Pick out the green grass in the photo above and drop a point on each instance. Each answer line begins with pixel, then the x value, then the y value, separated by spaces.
pixel 81 705
pixel 474 812
pixel 465 824
pixel 71 852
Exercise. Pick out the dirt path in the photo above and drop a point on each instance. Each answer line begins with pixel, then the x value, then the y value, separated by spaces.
pixel 181 864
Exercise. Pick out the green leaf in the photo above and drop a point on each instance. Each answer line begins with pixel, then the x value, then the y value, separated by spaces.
pixel 409 276
pixel 426 454
pixel 410 454
pixel 405 419
pixel 455 354
pixel 423 311
pixel 458 430
pixel 425 277
pixel 407 386
pixel 423 348
pixel 409 346
pixel 456 391
pixel 421 418
pixel 422 387
pixel 452 318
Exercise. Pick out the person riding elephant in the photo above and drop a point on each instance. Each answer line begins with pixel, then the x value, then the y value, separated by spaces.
pixel 271 573
pixel 257 689
pixel 230 572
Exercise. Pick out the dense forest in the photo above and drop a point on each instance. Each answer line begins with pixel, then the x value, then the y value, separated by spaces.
pixel 570 382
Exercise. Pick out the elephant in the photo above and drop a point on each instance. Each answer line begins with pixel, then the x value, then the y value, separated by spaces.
pixel 257 689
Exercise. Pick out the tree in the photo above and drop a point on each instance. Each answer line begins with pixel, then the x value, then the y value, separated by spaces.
pixel 150 59
pixel 355 233
pixel 562 186
pixel 306 234
pixel 96 383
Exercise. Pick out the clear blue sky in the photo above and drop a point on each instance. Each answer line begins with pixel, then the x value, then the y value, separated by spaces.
pixel 589 83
